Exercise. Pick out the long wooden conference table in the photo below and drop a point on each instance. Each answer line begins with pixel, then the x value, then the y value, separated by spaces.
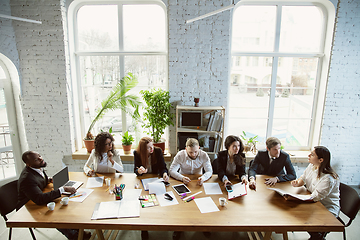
pixel 262 210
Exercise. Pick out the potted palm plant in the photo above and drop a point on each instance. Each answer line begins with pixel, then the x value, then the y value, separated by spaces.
pixel 127 140
pixel 249 142
pixel 157 114
pixel 117 99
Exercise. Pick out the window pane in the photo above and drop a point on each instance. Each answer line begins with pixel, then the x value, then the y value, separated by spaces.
pixel 254 28
pixel 292 132
pixel 98 28
pixel 7 163
pixel 144 28
pixel 301 29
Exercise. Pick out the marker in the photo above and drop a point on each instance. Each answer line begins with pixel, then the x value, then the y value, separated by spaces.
pixel 190 199
pixel 76 196
pixel 192 195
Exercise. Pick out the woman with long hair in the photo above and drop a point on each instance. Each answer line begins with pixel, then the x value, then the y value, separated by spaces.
pixel 323 183
pixel 104 158
pixel 149 159
pixel 231 161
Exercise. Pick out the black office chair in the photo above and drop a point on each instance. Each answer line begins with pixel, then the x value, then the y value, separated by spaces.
pixel 8 201
pixel 349 204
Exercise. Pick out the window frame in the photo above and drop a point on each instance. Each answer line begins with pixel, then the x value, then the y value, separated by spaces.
pixel 328 11
pixel 75 54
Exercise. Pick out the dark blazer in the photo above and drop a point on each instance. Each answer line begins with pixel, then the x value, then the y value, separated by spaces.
pixel 30 187
pixel 261 165
pixel 158 168
pixel 222 158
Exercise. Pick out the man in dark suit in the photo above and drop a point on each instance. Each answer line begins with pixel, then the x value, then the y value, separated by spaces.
pixel 271 162
pixel 31 184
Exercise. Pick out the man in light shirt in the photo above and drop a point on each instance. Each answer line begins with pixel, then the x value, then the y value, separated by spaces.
pixel 191 161
pixel 271 162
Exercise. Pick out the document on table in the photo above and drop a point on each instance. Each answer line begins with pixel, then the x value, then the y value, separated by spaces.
pixel 80 195
pixel 206 205
pixel 145 182
pixel 212 188
pixel 127 207
pixel 297 196
pixel 95 182
pixel 117 167
pixel 239 190
pixel 157 188
pixel 164 202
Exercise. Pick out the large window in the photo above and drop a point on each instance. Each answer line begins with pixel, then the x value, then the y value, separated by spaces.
pixel 109 41
pixel 277 65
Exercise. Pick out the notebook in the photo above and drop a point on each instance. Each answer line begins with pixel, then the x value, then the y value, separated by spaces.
pixel 61 179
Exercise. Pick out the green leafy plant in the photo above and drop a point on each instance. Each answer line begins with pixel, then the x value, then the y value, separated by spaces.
pixel 127 139
pixel 157 112
pixel 249 142
pixel 118 99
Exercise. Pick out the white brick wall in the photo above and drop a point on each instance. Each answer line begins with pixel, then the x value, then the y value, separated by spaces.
pixel 198 66
pixel 341 124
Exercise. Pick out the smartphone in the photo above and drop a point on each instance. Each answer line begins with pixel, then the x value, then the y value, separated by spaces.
pixel 229 188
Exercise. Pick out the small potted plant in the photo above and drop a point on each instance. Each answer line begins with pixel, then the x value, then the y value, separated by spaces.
pixel 157 114
pixel 127 140
pixel 249 143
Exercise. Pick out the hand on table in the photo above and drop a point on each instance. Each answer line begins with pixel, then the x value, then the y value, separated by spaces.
pixel 166 177
pixel 90 173
pixel 186 180
pixel 200 181
pixel 142 170
pixel 71 190
pixel 244 180
pixel 227 182
pixel 252 184
pixel 271 181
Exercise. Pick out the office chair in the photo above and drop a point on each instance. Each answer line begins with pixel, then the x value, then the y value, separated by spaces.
pixel 349 204
pixel 8 201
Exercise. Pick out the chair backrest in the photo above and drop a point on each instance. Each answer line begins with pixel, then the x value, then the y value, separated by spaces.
pixel 349 201
pixel 8 198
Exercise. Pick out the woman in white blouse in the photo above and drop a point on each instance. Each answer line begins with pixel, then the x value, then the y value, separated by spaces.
pixel 323 183
pixel 104 158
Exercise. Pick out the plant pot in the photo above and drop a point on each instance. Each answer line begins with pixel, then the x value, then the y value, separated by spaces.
pixel 127 149
pixel 247 148
pixel 160 145
pixel 89 144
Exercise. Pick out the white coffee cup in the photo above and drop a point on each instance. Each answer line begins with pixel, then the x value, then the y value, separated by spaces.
pixel 51 206
pixel 64 201
pixel 222 201
pixel 108 181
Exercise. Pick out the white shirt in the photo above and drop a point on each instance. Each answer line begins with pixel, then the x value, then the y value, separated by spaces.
pixel 324 189
pixel 104 166
pixel 188 166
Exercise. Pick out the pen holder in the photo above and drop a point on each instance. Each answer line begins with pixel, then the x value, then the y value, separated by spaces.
pixel 118 194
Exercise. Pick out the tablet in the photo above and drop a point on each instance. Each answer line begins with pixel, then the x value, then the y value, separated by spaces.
pixel 181 188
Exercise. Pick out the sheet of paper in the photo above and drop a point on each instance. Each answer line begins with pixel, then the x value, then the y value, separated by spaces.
pixel 239 190
pixel 108 209
pixel 164 202
pixel 95 182
pixel 212 188
pixel 157 188
pixel 80 195
pixel 206 205
pixel 129 208
pixel 146 181
pixel 132 194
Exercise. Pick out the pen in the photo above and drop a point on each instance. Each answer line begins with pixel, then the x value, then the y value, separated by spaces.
pixel 192 195
pixel 190 199
pixel 89 167
pixel 76 196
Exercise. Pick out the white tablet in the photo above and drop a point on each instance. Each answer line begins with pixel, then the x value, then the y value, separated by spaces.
pixel 181 188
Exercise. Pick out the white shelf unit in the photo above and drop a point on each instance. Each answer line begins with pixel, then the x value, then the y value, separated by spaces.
pixel 206 112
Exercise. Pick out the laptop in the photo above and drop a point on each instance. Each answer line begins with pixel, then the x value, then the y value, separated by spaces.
pixel 61 179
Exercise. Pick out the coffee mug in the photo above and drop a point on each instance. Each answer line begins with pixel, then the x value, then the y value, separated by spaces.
pixel 222 201
pixel 51 206
pixel 108 181
pixel 64 201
